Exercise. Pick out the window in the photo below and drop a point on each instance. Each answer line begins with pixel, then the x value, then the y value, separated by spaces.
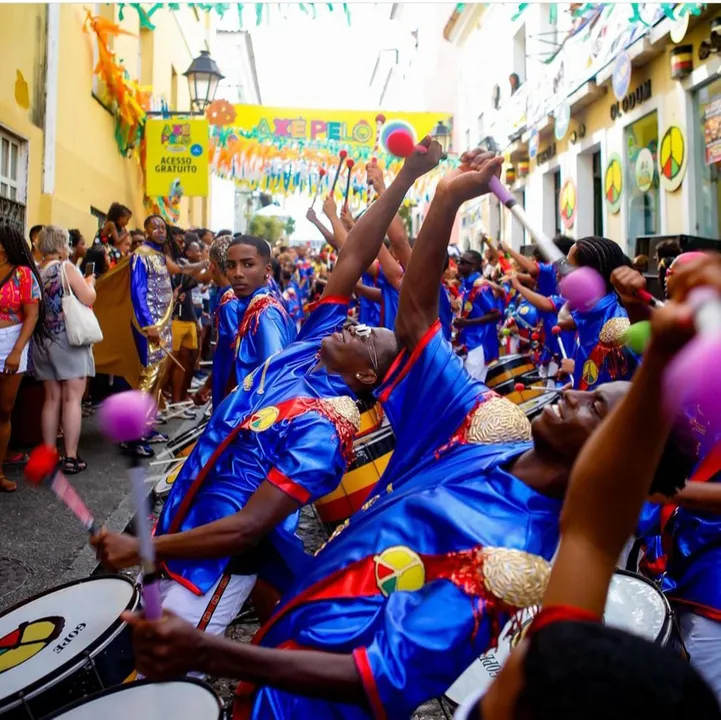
pixel 99 215
pixel 12 168
pixel 557 201
pixel 708 160
pixel 597 194
pixel 519 54
pixel 481 127
pixel 641 184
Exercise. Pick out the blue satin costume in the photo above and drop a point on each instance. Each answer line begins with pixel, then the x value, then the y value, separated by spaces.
pixel 254 436
pixel 369 312
pixel 293 301
pixel 389 302
pixel 598 362
pixel 228 312
pixel 547 285
pixel 478 301
pixel 412 634
pixel 445 313
pixel 264 329
pixel 567 337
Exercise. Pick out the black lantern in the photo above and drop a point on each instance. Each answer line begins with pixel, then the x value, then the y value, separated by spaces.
pixel 203 79
pixel 442 135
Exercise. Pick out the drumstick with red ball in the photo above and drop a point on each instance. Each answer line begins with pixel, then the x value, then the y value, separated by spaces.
pixel 342 155
pixel 126 418
pixel 42 468
pixel 321 175
pixel 583 287
pixel 349 163
pixel 520 387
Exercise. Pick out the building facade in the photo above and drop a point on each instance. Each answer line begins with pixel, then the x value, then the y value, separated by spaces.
pixel 608 126
pixel 60 162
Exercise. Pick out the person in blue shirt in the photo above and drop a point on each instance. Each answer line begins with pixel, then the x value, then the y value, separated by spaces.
pixel 283 439
pixel 479 315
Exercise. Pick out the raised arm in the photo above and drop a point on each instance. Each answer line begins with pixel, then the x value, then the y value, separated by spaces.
pixel 607 489
pixel 526 264
pixel 328 236
pixel 366 237
pixel 331 212
pixel 418 305
pixel 536 299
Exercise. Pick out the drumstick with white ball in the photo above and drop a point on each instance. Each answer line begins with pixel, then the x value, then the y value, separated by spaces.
pixel 42 468
pixel 583 287
pixel 126 418
pixel 321 175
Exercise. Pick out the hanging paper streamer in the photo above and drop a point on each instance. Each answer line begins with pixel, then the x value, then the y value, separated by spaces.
pixel 283 150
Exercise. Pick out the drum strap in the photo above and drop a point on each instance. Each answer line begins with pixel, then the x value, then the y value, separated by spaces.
pixel 210 610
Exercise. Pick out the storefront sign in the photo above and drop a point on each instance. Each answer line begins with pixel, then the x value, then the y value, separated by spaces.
pixel 621 78
pixel 613 183
pixel 545 155
pixel 568 204
pixel 533 144
pixel 644 170
pixel 712 131
pixel 672 158
pixel 679 28
pixel 562 118
pixel 634 99
pixel 176 161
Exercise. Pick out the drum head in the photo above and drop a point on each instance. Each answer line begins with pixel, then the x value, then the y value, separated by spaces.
pixel 179 700
pixel 165 484
pixel 46 636
pixel 635 605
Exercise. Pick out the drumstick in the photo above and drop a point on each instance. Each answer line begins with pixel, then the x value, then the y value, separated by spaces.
pixel 42 468
pixel 520 387
pixel 649 299
pixel 583 287
pixel 126 418
pixel 342 155
pixel 321 175
pixel 557 332
pixel 171 356
pixel 349 164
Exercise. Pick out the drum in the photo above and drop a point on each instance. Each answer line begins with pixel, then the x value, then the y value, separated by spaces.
pixel 535 405
pixel 634 604
pixel 372 455
pixel 165 484
pixel 371 417
pixel 145 700
pixel 60 646
pixel 182 445
pixel 510 367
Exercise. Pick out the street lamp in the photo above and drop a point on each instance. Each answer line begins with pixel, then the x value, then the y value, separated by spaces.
pixel 203 79
pixel 442 135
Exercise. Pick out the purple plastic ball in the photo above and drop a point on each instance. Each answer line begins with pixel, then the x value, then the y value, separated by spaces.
pixel 127 416
pixel 583 288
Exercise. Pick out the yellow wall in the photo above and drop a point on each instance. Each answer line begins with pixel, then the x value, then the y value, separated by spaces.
pixel 90 170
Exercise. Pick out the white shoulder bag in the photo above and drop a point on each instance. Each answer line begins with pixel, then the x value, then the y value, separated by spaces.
pixel 81 325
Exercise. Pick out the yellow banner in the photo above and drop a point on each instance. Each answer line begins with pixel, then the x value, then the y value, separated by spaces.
pixel 176 160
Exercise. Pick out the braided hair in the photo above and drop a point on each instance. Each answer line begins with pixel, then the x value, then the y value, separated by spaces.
pixel 601 254
pixel 19 255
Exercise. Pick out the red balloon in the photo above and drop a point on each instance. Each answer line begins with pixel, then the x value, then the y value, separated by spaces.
pixel 400 143
pixel 42 462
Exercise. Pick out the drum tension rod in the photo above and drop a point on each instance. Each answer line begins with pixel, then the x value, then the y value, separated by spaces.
pixel 29 712
pixel 90 661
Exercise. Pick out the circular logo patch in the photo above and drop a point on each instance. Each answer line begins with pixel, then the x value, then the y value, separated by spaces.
pixel 621 79
pixel 524 310
pixel 468 307
pixel 613 183
pixel 568 204
pixel 399 569
pixel 28 640
pixel 590 372
pixel 645 170
pixel 562 118
pixel 196 150
pixel 533 144
pixel 672 158
pixel 263 419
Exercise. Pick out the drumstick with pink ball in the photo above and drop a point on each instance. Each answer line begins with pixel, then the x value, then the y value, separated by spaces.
pixel 126 418
pixel 42 469
pixel 349 163
pixel 321 175
pixel 342 156
pixel 583 287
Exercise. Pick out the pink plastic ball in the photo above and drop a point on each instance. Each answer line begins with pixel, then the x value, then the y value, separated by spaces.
pixel 127 416
pixel 583 288
pixel 400 143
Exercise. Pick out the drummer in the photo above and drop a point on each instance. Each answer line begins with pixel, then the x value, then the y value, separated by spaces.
pixel 377 651
pixel 264 327
pixel 477 334
pixel 281 440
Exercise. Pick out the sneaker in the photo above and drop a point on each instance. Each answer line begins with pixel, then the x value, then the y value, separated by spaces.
pixel 188 414
pixel 155 437
pixel 139 449
pixel 16 458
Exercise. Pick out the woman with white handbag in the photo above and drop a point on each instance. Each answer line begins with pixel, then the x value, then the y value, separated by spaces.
pixel 65 360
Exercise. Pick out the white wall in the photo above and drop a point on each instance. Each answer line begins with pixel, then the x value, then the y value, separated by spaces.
pixel 222 206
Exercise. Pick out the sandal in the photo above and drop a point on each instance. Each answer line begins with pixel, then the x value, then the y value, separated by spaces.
pixel 16 458
pixel 6 485
pixel 73 466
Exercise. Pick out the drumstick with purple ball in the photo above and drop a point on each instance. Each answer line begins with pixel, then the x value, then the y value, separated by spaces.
pixel 126 418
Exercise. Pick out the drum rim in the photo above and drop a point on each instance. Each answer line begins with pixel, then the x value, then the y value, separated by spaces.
pixel 29 692
pixel 187 434
pixel 120 688
pixel 667 625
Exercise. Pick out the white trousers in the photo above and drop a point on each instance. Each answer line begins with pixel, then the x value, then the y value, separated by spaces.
pixel 702 638
pixel 476 364
pixel 212 612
